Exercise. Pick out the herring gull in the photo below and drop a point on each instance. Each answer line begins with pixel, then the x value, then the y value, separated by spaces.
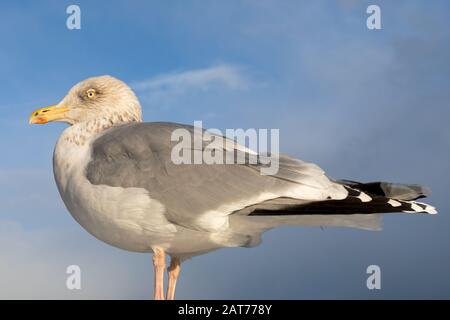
pixel 115 175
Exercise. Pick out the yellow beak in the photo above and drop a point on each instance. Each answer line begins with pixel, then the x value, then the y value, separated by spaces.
pixel 48 114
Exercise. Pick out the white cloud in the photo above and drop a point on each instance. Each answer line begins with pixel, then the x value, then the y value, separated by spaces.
pixel 224 76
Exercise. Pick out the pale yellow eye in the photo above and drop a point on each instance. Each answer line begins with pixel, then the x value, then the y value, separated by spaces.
pixel 91 93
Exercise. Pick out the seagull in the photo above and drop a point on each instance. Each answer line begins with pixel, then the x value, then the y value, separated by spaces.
pixel 116 177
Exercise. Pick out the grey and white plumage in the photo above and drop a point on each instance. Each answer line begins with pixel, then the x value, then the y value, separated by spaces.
pixel 116 177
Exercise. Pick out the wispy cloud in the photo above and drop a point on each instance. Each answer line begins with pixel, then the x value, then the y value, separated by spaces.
pixel 224 76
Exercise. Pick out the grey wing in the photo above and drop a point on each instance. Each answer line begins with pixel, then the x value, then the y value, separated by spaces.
pixel 199 196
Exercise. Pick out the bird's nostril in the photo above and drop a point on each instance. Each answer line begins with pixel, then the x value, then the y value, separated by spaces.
pixel 44 111
pixel 36 113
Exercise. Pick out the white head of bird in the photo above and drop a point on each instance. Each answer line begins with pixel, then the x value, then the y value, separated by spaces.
pixel 103 100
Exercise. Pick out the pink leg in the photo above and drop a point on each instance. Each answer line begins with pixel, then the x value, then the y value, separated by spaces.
pixel 174 271
pixel 159 263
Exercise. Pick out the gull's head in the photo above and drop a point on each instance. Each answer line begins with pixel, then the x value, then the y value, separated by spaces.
pixel 103 98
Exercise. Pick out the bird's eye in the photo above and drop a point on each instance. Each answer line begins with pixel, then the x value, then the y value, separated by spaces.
pixel 91 93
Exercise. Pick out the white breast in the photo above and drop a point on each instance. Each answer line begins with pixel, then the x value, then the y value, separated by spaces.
pixel 123 217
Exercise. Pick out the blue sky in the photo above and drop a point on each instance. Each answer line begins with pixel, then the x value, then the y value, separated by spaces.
pixel 364 105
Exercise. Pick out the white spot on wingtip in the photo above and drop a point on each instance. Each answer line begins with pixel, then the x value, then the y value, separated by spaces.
pixel 416 207
pixel 431 210
pixel 394 203
pixel 364 197
pixel 428 209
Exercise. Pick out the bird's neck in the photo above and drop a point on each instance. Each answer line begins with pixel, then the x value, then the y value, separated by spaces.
pixel 81 133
